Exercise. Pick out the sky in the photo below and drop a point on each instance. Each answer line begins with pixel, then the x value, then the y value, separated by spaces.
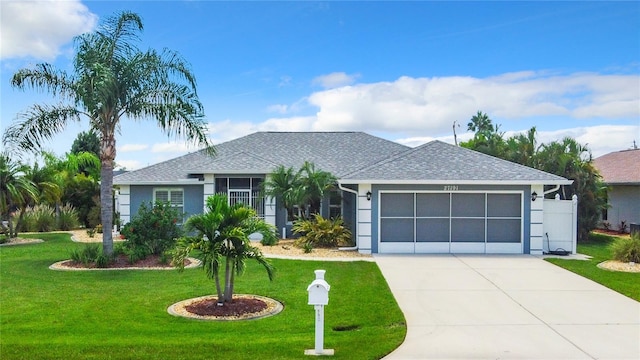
pixel 405 71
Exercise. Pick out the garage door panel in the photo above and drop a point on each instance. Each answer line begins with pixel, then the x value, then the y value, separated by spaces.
pixel 503 231
pixel 504 205
pixel 433 205
pixel 396 205
pixel 467 230
pixel 467 205
pixel 396 230
pixel 432 230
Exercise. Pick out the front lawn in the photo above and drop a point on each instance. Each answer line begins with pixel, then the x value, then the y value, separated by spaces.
pixel 46 314
pixel 599 247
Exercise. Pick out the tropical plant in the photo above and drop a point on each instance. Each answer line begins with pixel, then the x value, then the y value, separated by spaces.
pixel 67 217
pixel 321 232
pixel 627 249
pixel 223 236
pixel 111 79
pixel 284 185
pixel 152 231
pixel 315 184
pixel 302 190
pixel 86 141
pixel 15 190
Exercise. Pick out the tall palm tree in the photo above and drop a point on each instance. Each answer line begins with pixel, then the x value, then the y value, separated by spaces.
pixel 223 234
pixel 15 189
pixel 112 79
pixel 480 123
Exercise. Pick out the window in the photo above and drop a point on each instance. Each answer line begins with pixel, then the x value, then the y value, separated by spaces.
pixel 174 196
pixel 335 204
pixel 242 190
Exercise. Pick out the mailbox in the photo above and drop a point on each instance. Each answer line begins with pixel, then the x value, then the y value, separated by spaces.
pixel 319 290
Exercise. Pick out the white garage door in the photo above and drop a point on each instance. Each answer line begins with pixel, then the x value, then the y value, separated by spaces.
pixel 445 222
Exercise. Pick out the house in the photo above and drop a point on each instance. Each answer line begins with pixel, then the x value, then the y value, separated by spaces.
pixel 620 171
pixel 435 198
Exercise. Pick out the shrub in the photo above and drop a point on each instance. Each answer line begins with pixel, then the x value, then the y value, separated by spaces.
pixel 627 249
pixel 91 232
pixel 68 218
pixel 87 254
pixel 152 231
pixel 42 218
pixel 269 240
pixel 4 238
pixel 321 232
pixel 93 217
pixel 99 228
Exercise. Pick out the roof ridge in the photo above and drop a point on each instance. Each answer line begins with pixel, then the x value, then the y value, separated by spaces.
pixel 389 158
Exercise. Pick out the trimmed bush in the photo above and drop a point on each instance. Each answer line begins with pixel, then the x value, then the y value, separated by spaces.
pixel 68 218
pixel 627 249
pixel 321 232
pixel 152 231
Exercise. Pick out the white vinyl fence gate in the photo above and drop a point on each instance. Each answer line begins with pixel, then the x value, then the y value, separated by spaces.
pixel 560 224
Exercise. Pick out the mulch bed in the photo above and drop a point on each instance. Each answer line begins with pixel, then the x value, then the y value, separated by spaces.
pixel 237 307
pixel 122 261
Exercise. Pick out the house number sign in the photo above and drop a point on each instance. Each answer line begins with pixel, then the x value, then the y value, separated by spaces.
pixel 451 188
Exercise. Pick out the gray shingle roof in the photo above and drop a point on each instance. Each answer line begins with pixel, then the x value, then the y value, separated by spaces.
pixel 437 161
pixel 259 153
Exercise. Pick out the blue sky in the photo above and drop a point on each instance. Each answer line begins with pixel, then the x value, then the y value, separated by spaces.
pixel 401 70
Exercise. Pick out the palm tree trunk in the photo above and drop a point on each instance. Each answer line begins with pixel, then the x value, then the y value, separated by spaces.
pixel 107 157
pixel 227 279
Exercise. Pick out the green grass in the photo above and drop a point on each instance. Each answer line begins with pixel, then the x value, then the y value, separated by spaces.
pixel 46 314
pixel 599 247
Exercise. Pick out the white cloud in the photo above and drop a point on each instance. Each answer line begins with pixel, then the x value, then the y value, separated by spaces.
pixel 226 130
pixel 335 79
pixel 278 108
pixel 172 147
pixel 431 105
pixel 129 164
pixel 133 147
pixel 39 29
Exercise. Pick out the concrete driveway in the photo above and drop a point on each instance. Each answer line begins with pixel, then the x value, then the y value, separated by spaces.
pixel 507 307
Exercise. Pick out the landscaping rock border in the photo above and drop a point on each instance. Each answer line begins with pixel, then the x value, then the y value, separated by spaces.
pixel 60 265
pixel 179 309
pixel 614 265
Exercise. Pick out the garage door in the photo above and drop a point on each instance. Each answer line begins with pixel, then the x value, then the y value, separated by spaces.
pixel 445 222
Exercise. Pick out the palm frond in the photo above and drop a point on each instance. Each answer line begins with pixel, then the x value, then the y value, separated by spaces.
pixel 39 123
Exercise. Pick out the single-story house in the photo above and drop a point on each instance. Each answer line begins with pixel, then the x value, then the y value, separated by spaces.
pixel 620 171
pixel 435 198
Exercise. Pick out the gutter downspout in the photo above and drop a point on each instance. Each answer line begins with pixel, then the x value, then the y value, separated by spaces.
pixel 556 188
pixel 356 224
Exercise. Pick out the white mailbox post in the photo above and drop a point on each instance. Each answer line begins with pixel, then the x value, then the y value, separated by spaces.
pixel 319 297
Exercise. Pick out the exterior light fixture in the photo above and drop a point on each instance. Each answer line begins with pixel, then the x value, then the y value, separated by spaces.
pixel 369 195
pixel 534 196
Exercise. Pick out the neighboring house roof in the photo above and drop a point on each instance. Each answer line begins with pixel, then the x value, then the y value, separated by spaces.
pixel 259 153
pixel 436 161
pixel 620 167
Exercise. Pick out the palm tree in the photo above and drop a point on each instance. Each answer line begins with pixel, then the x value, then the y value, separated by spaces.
pixel 112 79
pixel 284 185
pixel 15 189
pixel 315 184
pixel 480 123
pixel 223 233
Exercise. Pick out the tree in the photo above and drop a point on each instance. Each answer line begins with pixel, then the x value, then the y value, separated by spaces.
pixel 223 234
pixel 315 183
pixel 112 79
pixel 574 161
pixel 15 189
pixel 480 123
pixel 284 185
pixel 303 189
pixel 86 141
